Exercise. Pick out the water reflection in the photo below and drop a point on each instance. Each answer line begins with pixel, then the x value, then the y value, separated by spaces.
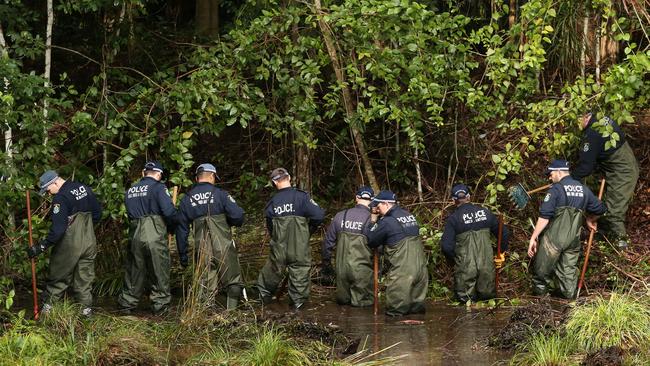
pixel 449 335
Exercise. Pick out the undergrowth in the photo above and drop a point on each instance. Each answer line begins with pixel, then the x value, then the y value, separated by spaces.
pixel 237 338
pixel 618 325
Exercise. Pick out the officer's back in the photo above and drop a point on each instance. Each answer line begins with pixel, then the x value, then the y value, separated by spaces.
pixel 289 202
pixel 148 197
pixel 569 192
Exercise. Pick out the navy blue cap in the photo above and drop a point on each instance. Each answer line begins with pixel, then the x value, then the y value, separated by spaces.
pixel 206 167
pixel 45 180
pixel 459 191
pixel 383 196
pixel 365 193
pixel 278 173
pixel 154 165
pixel 558 165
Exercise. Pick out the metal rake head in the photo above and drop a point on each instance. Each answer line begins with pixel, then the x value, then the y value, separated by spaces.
pixel 519 196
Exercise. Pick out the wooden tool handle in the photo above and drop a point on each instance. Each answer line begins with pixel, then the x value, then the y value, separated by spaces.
pixel 591 239
pixel 496 277
pixel 31 244
pixel 543 188
pixel 376 281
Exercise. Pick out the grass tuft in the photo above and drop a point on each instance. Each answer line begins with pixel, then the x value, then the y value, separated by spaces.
pixel 544 350
pixel 618 321
pixel 271 348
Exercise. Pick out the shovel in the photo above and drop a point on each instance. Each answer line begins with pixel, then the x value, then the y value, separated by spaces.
pixel 520 197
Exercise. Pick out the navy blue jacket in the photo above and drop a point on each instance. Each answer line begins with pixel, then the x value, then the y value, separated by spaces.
pixel 390 229
pixel 72 198
pixel 204 199
pixel 470 217
pixel 592 148
pixel 149 197
pixel 293 202
pixel 570 192
pixel 352 220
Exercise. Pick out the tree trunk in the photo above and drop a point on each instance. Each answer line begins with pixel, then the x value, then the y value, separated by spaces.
pixel 585 34
pixel 207 17
pixel 597 44
pixel 347 97
pixel 48 60
pixel 419 174
pixel 512 9
pixel 303 168
pixel 8 132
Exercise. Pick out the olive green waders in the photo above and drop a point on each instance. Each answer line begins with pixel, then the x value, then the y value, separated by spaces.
pixel 407 279
pixel 474 271
pixel 147 262
pixel 218 264
pixel 72 262
pixel 290 252
pixel 354 270
pixel 621 174
pixel 558 251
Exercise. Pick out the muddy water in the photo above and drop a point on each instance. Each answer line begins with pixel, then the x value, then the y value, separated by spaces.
pixel 448 335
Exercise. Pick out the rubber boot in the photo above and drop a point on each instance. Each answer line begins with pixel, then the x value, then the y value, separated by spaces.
pixel 233 295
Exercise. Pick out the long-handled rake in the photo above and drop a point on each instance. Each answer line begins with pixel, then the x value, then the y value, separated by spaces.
pixel 520 197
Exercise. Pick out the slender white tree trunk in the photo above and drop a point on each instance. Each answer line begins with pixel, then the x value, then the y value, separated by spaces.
pixel 419 174
pixel 48 59
pixel 585 34
pixel 4 53
pixel 597 43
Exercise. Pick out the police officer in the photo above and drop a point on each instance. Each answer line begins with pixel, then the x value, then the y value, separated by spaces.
pixel 398 231
pixel 619 165
pixel 212 212
pixel 466 242
pixel 72 262
pixel 291 217
pixel 559 224
pixel 353 257
pixel 150 211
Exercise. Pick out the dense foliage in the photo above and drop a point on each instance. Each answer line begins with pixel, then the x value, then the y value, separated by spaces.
pixel 435 91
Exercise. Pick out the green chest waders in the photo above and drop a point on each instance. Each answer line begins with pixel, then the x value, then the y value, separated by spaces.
pixel 407 279
pixel 217 264
pixel 558 251
pixel 147 262
pixel 621 174
pixel 474 270
pixel 289 252
pixel 354 279
pixel 72 262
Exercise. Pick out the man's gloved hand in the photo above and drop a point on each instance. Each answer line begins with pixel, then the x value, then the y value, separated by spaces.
pixel 499 260
pixel 36 249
